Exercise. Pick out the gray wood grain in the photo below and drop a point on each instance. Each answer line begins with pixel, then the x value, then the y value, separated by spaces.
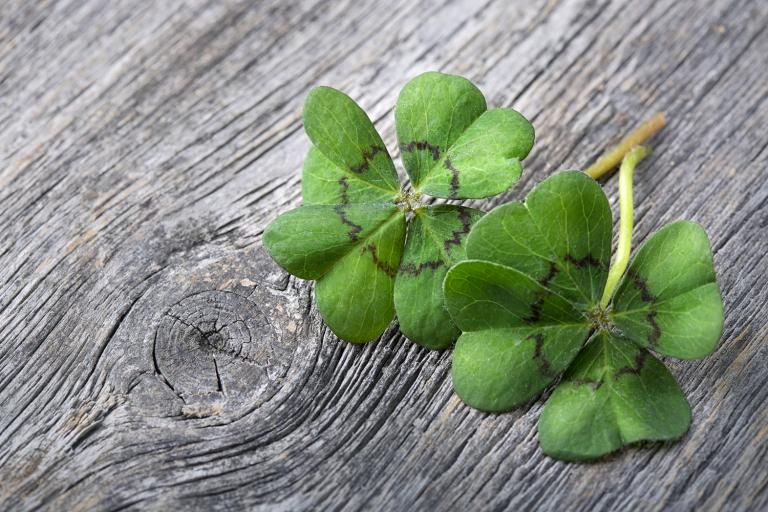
pixel 153 357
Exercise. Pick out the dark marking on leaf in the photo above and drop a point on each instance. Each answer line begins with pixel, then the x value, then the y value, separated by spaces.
pixel 538 355
pixel 553 270
pixel 381 265
pixel 642 285
pixel 368 155
pixel 454 179
pixel 421 145
pixel 414 270
pixel 639 363
pixel 655 334
pixel 456 235
pixel 344 188
pixel 587 382
pixel 586 261
pixel 536 307
pixel 541 296
pixel 355 228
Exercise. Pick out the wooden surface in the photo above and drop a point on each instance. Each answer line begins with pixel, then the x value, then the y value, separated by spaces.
pixel 152 356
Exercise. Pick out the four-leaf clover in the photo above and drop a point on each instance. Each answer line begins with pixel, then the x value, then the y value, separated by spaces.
pixel 530 294
pixel 532 304
pixel 372 246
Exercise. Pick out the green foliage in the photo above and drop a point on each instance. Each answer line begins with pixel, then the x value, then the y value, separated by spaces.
pixel 560 236
pixel 350 232
pixel 669 300
pixel 452 147
pixel 435 242
pixel 527 300
pixel 614 393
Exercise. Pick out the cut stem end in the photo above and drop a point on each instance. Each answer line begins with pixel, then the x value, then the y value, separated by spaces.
pixel 639 135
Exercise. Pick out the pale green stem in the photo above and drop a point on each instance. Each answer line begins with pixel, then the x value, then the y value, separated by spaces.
pixel 626 219
pixel 638 136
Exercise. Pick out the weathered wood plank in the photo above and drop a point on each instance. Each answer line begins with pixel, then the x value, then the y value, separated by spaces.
pixel 152 356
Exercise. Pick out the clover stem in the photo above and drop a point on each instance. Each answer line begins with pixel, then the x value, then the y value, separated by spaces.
pixel 626 214
pixel 638 136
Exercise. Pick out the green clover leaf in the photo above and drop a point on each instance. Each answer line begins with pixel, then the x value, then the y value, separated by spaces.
pixel 452 147
pixel 669 300
pixel 614 393
pixel 436 236
pixel 350 233
pixel 534 300
pixel 360 244
pixel 533 270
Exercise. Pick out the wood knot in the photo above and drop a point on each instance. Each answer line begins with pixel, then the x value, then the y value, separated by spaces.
pixel 217 349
